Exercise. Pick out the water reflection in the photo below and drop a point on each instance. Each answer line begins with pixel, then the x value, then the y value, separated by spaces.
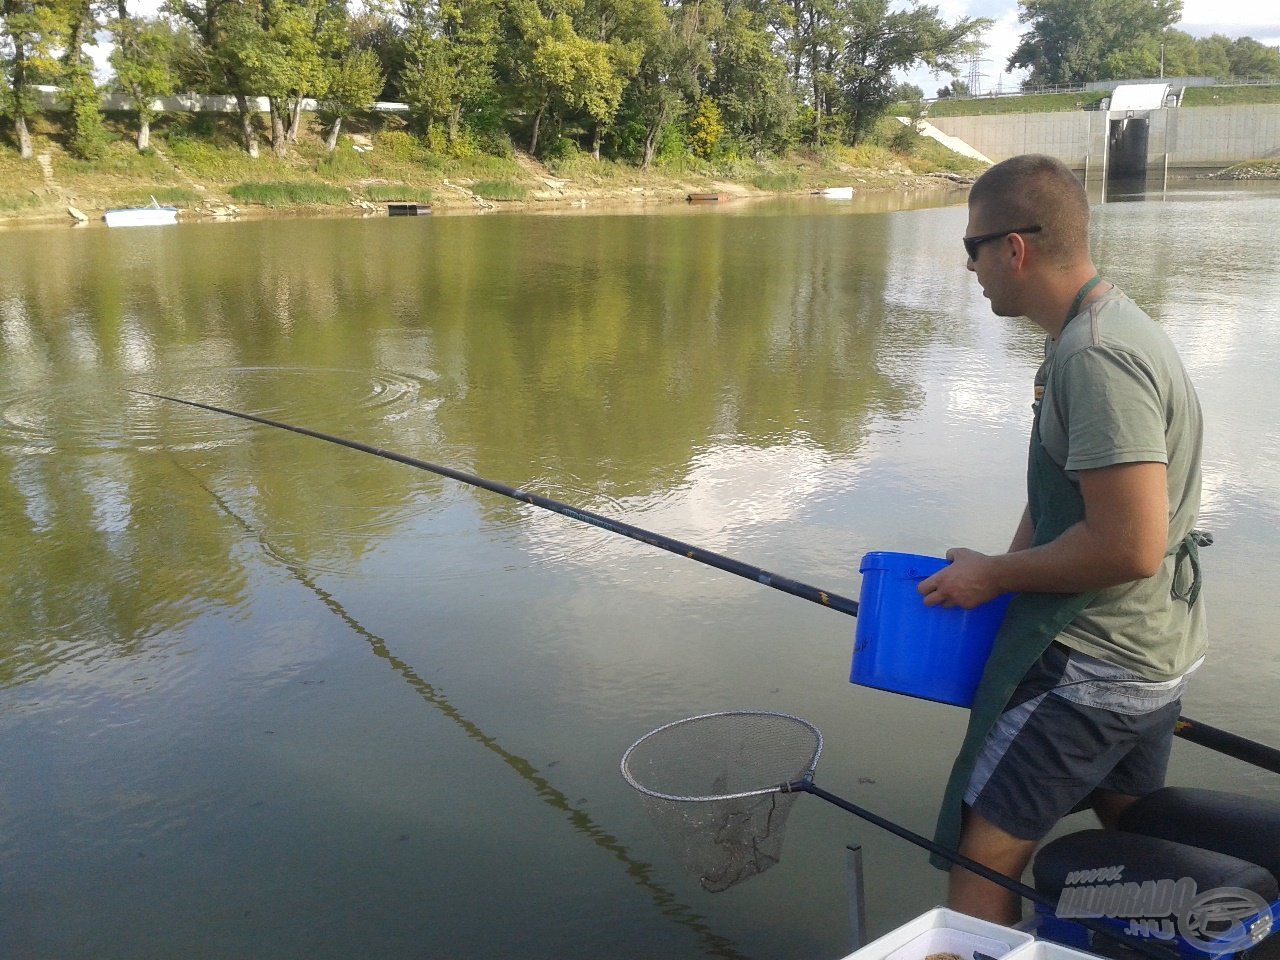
pixel 196 741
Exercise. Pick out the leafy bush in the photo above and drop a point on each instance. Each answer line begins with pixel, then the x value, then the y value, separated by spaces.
pixel 558 152
pixel 706 129
pixel 290 194
pixel 905 139
pixel 402 146
pixel 496 143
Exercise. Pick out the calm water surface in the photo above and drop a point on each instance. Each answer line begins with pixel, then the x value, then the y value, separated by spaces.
pixel 262 696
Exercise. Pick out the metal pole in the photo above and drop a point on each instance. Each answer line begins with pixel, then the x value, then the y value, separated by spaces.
pixel 1106 149
pixel 857 897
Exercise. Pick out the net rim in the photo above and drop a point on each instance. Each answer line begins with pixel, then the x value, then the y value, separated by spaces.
pixel 784 787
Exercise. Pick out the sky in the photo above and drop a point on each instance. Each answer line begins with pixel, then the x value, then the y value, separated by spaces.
pixel 1259 19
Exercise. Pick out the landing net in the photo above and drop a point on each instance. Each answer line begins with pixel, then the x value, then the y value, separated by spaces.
pixel 719 787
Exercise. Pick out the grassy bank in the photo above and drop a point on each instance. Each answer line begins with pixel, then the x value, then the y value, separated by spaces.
pixel 1250 170
pixel 197 165
pixel 1065 102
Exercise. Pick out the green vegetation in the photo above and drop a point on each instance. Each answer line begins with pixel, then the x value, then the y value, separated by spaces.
pixel 13 200
pixel 619 80
pixel 1062 102
pixel 1074 41
pixel 395 193
pixel 781 182
pixel 500 190
pixel 290 194
pixel 1027 103
pixel 168 196
pixel 1224 96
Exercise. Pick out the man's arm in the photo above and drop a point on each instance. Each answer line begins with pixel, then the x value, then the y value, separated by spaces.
pixel 1123 537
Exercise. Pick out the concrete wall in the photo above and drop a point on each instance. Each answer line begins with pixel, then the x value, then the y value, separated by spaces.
pixel 1195 136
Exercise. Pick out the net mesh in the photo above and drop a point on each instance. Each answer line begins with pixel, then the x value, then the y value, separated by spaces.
pixel 716 788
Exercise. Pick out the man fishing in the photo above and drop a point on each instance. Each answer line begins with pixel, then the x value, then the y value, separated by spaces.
pixel 1079 699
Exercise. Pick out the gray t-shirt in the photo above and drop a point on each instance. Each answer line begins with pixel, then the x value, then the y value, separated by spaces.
pixel 1115 391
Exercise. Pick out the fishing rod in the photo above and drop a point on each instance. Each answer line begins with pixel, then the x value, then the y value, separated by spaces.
pixel 1230 744
pixel 823 597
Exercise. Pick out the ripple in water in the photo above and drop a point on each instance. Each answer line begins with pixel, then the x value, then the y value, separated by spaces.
pixel 95 414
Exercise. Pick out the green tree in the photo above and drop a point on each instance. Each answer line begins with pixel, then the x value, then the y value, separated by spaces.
pixel 558 71
pixel 907 93
pixel 706 129
pixel 879 41
pixel 672 73
pixel 815 44
pixel 1214 55
pixel 77 23
pixel 281 48
pixel 354 83
pixel 1070 40
pixel 28 36
pixel 1249 58
pixel 223 27
pixel 144 62
pixel 751 84
pixel 627 28
pixel 448 61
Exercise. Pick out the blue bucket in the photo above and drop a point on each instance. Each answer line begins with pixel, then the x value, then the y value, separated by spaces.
pixel 935 653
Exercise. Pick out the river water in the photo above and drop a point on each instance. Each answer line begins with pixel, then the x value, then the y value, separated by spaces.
pixel 261 696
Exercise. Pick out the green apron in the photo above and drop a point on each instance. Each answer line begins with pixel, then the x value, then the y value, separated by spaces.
pixel 1030 626
pixel 1031 623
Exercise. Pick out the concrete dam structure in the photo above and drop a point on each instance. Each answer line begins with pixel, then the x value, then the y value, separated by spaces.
pixel 1144 133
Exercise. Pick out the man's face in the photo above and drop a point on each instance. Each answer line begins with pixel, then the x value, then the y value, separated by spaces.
pixel 989 264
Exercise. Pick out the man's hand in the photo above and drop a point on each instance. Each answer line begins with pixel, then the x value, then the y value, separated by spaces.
pixel 968 581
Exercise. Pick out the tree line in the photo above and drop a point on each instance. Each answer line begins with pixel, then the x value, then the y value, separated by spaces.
pixel 616 78
pixel 1076 41
pixel 613 77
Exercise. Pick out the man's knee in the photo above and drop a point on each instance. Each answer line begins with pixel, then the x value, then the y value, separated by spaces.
pixel 1110 806
pixel 995 848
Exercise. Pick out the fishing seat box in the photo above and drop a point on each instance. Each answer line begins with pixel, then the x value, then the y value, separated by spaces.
pixel 1216 839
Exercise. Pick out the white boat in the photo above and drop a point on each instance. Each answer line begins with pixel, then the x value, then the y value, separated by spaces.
pixel 148 216
pixel 838 193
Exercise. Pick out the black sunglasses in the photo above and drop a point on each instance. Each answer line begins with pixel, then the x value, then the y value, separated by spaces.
pixel 971 244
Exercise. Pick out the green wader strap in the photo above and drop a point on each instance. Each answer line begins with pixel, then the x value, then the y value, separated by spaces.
pixel 1030 626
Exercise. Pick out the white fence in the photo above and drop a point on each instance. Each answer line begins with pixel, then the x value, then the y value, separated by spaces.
pixel 49 99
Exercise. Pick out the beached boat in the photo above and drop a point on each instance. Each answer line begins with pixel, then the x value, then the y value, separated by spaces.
pixel 408 209
pixel 151 215
pixel 705 197
pixel 836 193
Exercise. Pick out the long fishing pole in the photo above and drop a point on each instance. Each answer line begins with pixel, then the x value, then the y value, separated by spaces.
pixel 824 597
pixel 1260 755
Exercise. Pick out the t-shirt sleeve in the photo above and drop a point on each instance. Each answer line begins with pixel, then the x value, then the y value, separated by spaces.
pixel 1112 410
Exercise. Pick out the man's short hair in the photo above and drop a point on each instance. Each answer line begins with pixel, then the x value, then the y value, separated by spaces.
pixel 1036 189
